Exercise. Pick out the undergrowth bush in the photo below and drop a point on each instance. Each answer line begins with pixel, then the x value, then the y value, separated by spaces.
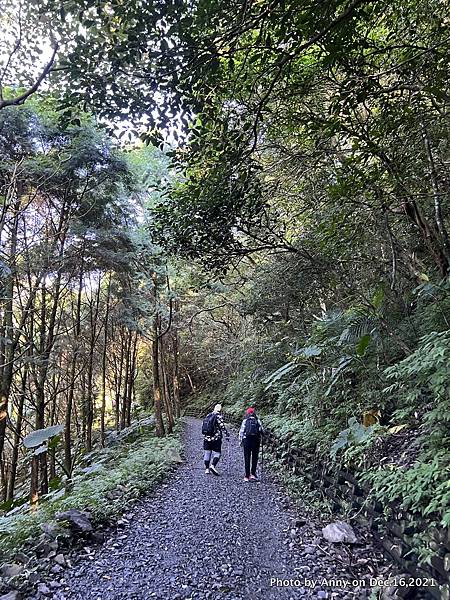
pixel 299 488
pixel 365 388
pixel 119 476
pixel 421 385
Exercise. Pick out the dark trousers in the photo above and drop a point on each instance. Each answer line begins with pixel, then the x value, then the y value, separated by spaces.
pixel 251 452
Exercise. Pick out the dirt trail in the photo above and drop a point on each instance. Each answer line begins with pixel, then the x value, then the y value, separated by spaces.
pixel 202 536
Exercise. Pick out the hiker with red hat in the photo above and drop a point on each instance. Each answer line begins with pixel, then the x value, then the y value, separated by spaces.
pixel 250 435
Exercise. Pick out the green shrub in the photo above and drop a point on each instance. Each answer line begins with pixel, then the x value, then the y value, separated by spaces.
pixel 126 472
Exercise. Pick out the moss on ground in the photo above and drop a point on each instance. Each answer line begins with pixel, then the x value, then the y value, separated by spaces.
pixel 115 478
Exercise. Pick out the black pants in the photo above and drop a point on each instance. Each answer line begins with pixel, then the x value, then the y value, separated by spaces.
pixel 251 452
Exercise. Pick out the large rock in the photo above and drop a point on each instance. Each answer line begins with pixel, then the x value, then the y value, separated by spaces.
pixel 11 570
pixel 44 590
pixel 60 560
pixel 50 529
pixel 339 532
pixel 78 520
pixel 174 456
pixel 14 595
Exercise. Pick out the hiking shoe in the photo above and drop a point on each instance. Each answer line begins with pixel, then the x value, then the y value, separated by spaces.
pixel 207 471
pixel 246 479
pixel 253 478
pixel 214 470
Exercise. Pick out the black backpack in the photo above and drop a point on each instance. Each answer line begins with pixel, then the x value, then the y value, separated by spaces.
pixel 252 427
pixel 209 426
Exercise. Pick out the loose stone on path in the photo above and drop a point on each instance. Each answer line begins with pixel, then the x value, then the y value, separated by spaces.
pixel 205 537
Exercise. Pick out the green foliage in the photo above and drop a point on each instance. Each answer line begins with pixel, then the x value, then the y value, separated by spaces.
pixel 427 371
pixel 298 486
pixel 433 306
pixel 121 476
pixel 422 489
pixel 42 436
pixel 279 373
pixel 302 433
pixel 361 347
pixel 422 391
pixel 314 390
pixel 311 177
pixel 354 440
pixel 202 403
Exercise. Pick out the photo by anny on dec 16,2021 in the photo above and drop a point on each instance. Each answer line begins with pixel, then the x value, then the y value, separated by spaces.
pixel 224 300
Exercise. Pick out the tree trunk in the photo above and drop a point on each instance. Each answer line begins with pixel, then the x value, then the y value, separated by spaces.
pixel 438 216
pixel 105 348
pixel 8 333
pixel 160 431
pixel 90 400
pixel 123 413
pixel 165 387
pixel 34 483
pixel 17 438
pixel 119 383
pixel 40 465
pixel 68 463
pixel 176 374
pixel 53 421
pixel 131 379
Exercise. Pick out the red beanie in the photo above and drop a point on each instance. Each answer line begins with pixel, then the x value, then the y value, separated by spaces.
pixel 250 411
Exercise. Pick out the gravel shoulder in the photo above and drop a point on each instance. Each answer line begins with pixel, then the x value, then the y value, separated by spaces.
pixel 207 537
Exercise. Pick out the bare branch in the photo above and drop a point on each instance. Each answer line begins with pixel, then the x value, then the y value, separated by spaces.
pixel 21 99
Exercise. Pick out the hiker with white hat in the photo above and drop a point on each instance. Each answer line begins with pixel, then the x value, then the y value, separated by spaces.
pixel 213 429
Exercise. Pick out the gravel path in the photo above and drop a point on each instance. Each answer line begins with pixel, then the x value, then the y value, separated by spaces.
pixel 201 536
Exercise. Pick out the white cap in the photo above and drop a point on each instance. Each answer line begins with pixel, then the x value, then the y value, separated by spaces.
pixel 217 408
